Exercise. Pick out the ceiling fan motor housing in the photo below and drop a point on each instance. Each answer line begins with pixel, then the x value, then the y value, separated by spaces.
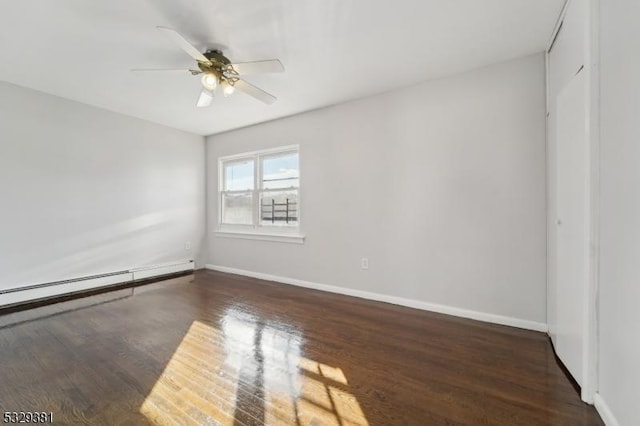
pixel 219 64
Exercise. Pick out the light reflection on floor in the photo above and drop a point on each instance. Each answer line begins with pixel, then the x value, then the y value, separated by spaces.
pixel 249 372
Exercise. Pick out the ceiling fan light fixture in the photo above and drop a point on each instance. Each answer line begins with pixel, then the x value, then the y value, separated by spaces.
pixel 227 88
pixel 218 70
pixel 209 81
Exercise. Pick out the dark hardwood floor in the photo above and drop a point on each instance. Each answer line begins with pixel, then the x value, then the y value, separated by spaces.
pixel 232 350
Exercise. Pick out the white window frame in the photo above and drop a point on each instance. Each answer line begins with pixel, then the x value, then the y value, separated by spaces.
pixel 279 233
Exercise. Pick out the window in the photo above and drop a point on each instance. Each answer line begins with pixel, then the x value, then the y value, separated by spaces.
pixel 259 191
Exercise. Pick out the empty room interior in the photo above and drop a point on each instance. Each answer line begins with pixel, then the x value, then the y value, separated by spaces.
pixel 336 212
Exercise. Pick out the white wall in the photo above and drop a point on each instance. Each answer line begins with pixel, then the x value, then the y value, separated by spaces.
pixel 440 185
pixel 620 209
pixel 85 191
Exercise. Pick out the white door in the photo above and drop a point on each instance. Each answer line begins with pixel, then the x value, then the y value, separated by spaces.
pixel 572 231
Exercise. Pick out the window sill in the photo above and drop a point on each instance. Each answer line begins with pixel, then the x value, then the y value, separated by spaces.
pixel 278 238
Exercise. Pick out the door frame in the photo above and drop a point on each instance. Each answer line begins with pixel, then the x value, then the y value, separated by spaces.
pixel 591 68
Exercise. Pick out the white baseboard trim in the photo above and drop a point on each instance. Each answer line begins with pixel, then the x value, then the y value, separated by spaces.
pixel 164 269
pixel 13 296
pixel 27 295
pixel 605 412
pixel 417 304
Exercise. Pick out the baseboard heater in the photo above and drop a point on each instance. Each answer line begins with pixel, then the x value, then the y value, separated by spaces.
pixel 20 295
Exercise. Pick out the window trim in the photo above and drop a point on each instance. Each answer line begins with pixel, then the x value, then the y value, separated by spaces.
pixel 262 236
pixel 257 231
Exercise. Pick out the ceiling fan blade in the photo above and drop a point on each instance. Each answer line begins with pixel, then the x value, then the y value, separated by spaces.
pixel 205 98
pixel 165 69
pixel 252 90
pixel 258 67
pixel 184 44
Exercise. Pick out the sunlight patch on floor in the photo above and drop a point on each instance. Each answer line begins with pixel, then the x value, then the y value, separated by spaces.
pixel 194 385
pixel 249 371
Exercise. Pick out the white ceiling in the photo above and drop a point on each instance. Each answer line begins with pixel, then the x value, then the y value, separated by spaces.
pixel 332 50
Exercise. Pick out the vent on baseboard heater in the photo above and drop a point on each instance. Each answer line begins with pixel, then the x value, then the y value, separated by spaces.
pixel 17 295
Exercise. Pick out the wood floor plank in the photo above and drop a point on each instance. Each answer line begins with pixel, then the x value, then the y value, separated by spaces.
pixel 233 350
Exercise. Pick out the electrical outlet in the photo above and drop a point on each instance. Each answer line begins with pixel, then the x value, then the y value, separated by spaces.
pixel 187 245
pixel 364 263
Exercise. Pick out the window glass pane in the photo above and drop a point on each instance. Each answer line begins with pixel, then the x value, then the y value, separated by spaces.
pixel 237 208
pixel 280 171
pixel 238 175
pixel 279 207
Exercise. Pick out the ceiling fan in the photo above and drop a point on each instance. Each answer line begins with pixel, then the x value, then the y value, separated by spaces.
pixel 219 73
